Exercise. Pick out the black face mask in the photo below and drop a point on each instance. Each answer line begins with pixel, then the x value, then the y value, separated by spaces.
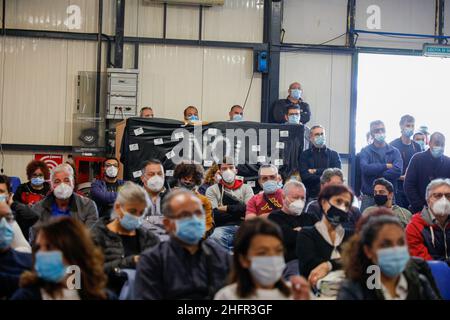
pixel 187 185
pixel 380 199
pixel 336 216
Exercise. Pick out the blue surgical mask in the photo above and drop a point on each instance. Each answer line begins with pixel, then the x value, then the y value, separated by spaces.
pixel 237 117
pixel 6 234
pixel 380 137
pixel 130 222
pixel 294 119
pixel 296 94
pixel 37 181
pixel 319 141
pixel 193 118
pixel 270 186
pixel 408 132
pixel 421 143
pixel 437 152
pixel 49 266
pixel 3 197
pixel 190 230
pixel 392 261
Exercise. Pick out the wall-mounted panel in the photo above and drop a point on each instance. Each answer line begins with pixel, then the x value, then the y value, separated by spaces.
pixel 401 16
pixel 236 20
pixel 315 22
pixel 326 82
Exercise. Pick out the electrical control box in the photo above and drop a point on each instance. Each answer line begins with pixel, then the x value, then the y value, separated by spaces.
pixel 122 89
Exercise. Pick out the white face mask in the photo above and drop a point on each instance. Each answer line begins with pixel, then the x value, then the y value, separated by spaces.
pixel 267 270
pixel 228 176
pixel 111 172
pixel 63 191
pixel 155 183
pixel 296 207
pixel 441 207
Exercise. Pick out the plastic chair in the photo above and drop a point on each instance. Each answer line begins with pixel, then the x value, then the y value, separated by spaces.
pixel 441 274
pixel 15 183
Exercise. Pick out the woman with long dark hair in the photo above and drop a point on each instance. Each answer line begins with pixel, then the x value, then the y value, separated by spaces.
pixel 61 243
pixel 258 264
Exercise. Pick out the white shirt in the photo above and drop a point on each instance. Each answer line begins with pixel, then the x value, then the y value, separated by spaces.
pixel 67 294
pixel 323 230
pixel 401 290
pixel 229 293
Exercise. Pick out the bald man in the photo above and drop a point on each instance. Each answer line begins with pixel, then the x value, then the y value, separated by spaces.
pixel 279 109
pixel 185 266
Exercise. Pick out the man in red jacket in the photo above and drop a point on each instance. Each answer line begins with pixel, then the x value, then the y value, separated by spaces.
pixel 428 233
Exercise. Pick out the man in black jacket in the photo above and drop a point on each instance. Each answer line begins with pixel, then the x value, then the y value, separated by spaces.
pixel 294 98
pixel 315 160
pixel 185 266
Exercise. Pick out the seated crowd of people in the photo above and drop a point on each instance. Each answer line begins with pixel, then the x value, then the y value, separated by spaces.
pixel 210 235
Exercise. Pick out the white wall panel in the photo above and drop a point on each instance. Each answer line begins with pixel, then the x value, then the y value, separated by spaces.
pixel 170 79
pixel 404 16
pixel 143 20
pixel 314 22
pixel 227 76
pixel 326 83
pixel 236 20
pixel 173 77
pixel 52 14
pixel 182 22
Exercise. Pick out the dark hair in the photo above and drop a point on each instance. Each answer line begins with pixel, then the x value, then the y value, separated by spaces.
pixel 406 118
pixel 226 160
pixel 37 164
pixel 244 236
pixel 184 170
pixel 383 182
pixel 354 259
pixel 292 107
pixel 5 179
pixel 375 123
pixel 149 162
pixel 334 190
pixel 236 106
pixel 72 238
pixel 110 158
pixel 189 107
pixel 419 133
pixel 437 137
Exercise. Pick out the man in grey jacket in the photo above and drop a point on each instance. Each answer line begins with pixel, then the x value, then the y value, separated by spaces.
pixel 228 199
pixel 63 201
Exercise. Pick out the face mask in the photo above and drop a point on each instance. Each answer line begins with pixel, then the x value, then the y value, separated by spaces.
pixel 6 234
pixel 267 270
pixel 3 197
pixel 421 144
pixel 155 183
pixel 187 185
pixel 49 266
pixel 193 118
pixel 63 191
pixel 408 132
pixel 380 199
pixel 111 172
pixel 392 261
pixel 441 207
pixel 280 184
pixel 270 186
pixel 190 230
pixel 237 117
pixel 37 181
pixel 228 176
pixel 296 94
pixel 130 222
pixel 294 119
pixel 437 152
pixel 319 141
pixel 296 207
pixel 380 137
pixel 336 216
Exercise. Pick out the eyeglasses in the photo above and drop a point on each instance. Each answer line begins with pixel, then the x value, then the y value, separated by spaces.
pixel 439 195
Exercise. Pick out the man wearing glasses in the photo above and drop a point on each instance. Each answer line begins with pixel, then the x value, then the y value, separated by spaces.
pixel 104 192
pixel 378 160
pixel 428 233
